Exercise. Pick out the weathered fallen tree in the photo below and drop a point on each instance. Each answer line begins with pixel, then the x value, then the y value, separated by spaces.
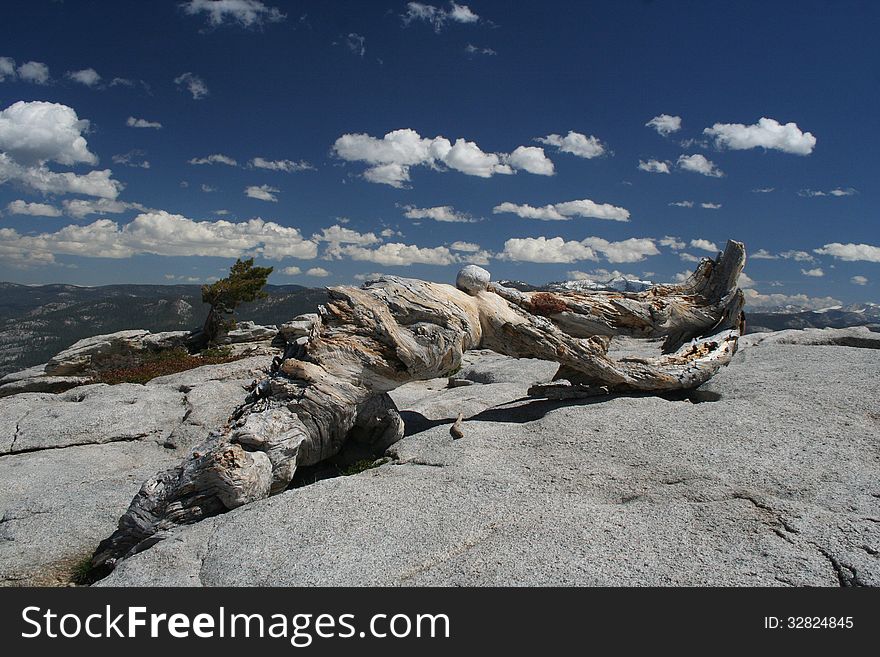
pixel 331 386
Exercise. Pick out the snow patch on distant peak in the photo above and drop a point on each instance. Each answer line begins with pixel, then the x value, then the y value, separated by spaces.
pixel 617 284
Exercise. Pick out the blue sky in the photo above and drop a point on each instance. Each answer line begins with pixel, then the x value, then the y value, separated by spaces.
pixel 154 142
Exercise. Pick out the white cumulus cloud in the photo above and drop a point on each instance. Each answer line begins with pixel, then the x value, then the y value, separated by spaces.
pixel 557 250
pixel 837 191
pixel 565 211
pixel 79 208
pixel 815 273
pixel 396 175
pixel 654 166
pixel 673 243
pixel 395 254
pixel 247 13
pixel 665 124
pixel 544 250
pixel 438 17
pixel 851 252
pixel 33 209
pixel 859 280
pixel 337 234
pixel 35 72
pixel 461 13
pixel 318 272
pixel 37 132
pixel 471 49
pixel 216 158
pixel 132 159
pixel 162 233
pixel 633 249
pixel 262 193
pixel 531 159
pixel 391 157
pixel 699 164
pixel 287 166
pixel 133 122
pixel 797 256
pixel 87 76
pixel 444 213
pixel 704 245
pixel 193 84
pixel 41 179
pixel 744 280
pixel 766 133
pixel 7 68
pixel 470 159
pixel 575 143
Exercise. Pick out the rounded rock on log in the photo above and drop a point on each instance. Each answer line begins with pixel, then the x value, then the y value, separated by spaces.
pixel 472 279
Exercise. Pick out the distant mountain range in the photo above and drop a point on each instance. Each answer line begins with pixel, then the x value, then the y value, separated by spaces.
pixel 616 284
pixel 863 314
pixel 36 322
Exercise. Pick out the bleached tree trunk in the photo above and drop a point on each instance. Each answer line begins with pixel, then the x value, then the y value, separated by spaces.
pixel 367 341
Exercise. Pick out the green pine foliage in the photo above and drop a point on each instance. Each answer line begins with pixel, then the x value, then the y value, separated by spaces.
pixel 244 284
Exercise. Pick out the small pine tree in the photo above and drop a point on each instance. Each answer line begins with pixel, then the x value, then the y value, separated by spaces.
pixel 244 284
